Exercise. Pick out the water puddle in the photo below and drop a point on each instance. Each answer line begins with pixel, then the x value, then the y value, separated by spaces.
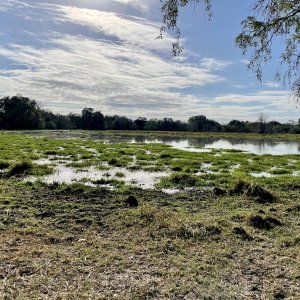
pixel 43 161
pixel 262 174
pixel 267 174
pixel 172 191
pixel 182 146
pixel 234 168
pixel 93 176
pixel 205 169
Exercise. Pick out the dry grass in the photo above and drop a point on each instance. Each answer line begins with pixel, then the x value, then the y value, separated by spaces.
pixel 89 245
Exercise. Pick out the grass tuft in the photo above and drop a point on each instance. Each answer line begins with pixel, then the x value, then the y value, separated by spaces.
pixel 182 180
pixel 252 190
pixel 263 223
pixel 4 164
pixel 20 168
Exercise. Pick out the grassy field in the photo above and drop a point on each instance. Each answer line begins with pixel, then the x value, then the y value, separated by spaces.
pixel 224 234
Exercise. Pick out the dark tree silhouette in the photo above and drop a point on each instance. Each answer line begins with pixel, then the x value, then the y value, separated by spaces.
pixel 201 123
pixel 236 126
pixel 140 123
pixel 92 120
pixel 19 112
pixel 87 118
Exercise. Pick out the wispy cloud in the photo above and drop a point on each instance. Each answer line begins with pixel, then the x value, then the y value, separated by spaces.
pixel 248 106
pixel 112 62
pixel 145 5
pixel 120 73
pixel 214 64
pixel 272 84
pixel 108 76
pixel 133 31
pixel 245 61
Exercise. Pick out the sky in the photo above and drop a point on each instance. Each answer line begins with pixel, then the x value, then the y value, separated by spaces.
pixel 105 54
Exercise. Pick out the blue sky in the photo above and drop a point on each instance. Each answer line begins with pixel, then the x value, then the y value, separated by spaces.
pixel 104 54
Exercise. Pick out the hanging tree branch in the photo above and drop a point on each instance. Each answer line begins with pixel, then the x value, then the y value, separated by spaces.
pixel 269 20
pixel 170 13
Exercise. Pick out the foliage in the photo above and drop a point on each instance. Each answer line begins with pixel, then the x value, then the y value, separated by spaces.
pixel 91 119
pixel 236 126
pixel 22 113
pixel 201 123
pixel 19 112
pixel 269 20
pixel 273 19
pixel 170 13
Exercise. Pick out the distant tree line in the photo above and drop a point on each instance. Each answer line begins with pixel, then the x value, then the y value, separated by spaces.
pixel 20 112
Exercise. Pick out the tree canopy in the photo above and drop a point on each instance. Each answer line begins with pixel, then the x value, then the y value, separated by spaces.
pixel 267 20
pixel 20 112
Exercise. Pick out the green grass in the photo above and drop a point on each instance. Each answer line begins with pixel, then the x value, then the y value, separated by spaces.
pixel 76 241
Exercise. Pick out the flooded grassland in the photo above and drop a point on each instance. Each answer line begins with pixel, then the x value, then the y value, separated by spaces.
pixel 87 215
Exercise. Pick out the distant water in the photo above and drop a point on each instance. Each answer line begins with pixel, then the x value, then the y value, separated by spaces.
pixel 202 144
pixel 256 146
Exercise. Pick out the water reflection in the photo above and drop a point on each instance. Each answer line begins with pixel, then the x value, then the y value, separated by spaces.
pixel 256 146
pixel 203 144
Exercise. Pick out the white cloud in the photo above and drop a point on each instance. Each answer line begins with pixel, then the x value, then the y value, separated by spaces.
pixel 226 107
pixel 276 104
pixel 134 31
pixel 77 72
pixel 267 96
pixel 272 84
pixel 139 4
pixel 121 71
pixel 15 5
pixel 214 64
pixel 245 61
pixel 240 86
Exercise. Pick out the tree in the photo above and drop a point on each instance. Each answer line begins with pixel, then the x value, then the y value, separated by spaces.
pixel 140 123
pixel 62 122
pixel 91 120
pixel 278 18
pixel 98 121
pixel 236 126
pixel 87 118
pixel 197 123
pixel 262 121
pixel 201 123
pixel 50 120
pixel 170 13
pixel 118 123
pixel 20 112
pixel 76 121
pixel 269 19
